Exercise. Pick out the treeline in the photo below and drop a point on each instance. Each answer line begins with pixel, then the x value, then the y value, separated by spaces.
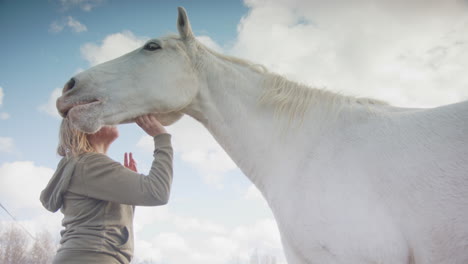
pixel 257 258
pixel 19 247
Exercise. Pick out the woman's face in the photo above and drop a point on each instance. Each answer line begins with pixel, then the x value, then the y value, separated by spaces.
pixel 107 134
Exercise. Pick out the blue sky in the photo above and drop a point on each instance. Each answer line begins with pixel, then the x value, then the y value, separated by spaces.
pixel 35 60
pixel 408 54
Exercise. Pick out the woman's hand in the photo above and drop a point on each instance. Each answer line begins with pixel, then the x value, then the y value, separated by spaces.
pixel 129 162
pixel 150 125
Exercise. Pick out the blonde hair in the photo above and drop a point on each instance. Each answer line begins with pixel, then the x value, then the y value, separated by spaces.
pixel 72 142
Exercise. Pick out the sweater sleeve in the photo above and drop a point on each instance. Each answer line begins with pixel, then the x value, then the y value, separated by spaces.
pixel 105 179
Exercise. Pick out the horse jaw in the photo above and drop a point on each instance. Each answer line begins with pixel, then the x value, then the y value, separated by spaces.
pixel 165 119
pixel 91 123
pixel 169 118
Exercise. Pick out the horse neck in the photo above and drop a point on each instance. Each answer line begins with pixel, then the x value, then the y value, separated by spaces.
pixel 226 106
pixel 250 132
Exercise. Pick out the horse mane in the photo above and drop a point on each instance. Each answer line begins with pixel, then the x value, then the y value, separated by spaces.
pixel 294 99
pixel 289 97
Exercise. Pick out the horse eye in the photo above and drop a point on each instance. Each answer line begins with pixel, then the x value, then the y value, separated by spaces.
pixel 152 46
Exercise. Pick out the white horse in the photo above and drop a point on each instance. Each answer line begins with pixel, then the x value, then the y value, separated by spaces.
pixel 349 180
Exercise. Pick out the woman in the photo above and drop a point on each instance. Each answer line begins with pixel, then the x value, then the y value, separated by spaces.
pixel 97 195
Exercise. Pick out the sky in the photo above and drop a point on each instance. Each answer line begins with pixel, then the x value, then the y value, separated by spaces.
pixel 408 53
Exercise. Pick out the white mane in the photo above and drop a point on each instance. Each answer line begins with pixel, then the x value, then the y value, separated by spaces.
pixel 291 98
pixel 294 99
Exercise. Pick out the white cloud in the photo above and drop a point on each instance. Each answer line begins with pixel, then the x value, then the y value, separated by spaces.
pixel 408 53
pixel 253 194
pixel 50 107
pixel 3 115
pixel 146 216
pixel 1 96
pixel 171 243
pixel 145 251
pixel 188 239
pixel 6 144
pixel 194 224
pixel 197 147
pixel 56 27
pixel 112 46
pixel 76 25
pixel 20 188
pixel 210 43
pixel 22 183
pixel 202 244
pixel 262 236
pixel 85 5
pixel 68 22
pixel 78 70
pixel 146 143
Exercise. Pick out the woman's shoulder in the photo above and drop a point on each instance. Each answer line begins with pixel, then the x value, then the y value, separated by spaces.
pixel 93 157
pixel 93 160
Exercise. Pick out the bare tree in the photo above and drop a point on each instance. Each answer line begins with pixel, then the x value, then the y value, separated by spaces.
pixel 144 261
pixel 257 258
pixel 42 251
pixel 2 243
pixel 13 246
pixel 16 248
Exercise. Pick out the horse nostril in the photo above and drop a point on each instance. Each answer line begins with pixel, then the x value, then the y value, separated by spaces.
pixel 70 84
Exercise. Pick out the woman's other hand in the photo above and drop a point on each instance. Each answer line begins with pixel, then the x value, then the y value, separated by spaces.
pixel 129 162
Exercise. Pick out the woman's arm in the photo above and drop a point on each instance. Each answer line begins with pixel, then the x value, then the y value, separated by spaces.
pixel 102 178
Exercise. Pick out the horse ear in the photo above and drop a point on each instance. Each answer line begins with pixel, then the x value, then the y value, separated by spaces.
pixel 183 24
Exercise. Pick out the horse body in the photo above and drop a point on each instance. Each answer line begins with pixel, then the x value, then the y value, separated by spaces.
pixel 348 180
pixel 361 184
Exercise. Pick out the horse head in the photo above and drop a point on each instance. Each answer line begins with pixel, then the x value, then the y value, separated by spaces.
pixel 157 78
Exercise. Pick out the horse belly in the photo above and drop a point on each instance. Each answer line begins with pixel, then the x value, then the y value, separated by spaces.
pixel 337 221
pixel 424 179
